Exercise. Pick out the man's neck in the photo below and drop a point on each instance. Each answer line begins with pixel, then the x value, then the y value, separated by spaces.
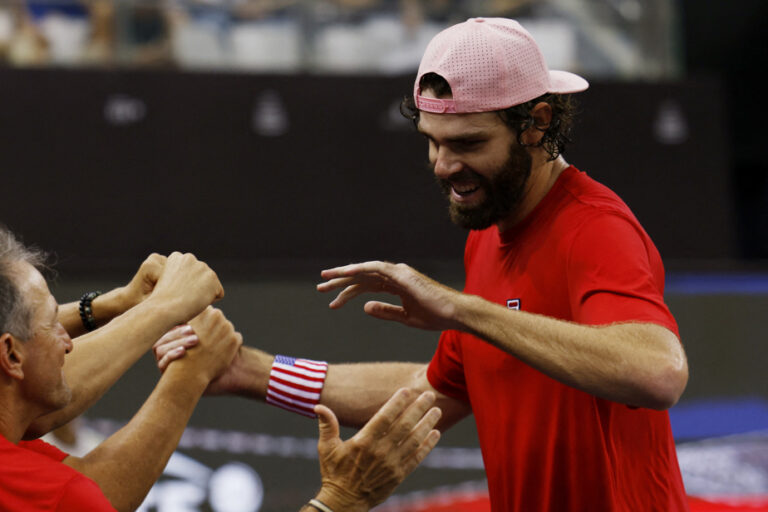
pixel 542 179
pixel 14 420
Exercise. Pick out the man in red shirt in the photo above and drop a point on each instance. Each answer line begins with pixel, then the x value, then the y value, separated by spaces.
pixel 35 371
pixel 561 344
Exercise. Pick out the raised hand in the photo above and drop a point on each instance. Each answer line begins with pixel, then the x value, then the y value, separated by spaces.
pixel 144 281
pixel 361 472
pixel 426 304
pixel 186 287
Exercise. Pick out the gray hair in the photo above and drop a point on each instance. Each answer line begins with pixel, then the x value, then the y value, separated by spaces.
pixel 15 313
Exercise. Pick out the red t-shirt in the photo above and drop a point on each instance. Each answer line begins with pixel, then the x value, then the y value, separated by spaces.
pixel 580 256
pixel 33 478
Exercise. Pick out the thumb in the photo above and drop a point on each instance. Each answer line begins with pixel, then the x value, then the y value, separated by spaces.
pixel 328 426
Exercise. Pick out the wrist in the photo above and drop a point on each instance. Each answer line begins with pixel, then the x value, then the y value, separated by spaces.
pixel 463 311
pixel 109 305
pixel 248 375
pixel 161 307
pixel 186 370
pixel 339 500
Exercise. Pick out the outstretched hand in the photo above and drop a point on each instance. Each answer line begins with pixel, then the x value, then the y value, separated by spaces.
pixel 363 471
pixel 426 304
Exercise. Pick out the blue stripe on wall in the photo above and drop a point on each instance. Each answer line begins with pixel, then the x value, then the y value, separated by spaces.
pixel 713 284
pixel 700 419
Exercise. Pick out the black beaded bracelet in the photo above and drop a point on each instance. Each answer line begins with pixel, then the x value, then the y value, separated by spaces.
pixel 86 311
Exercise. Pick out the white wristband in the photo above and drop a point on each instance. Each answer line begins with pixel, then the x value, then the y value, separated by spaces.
pixel 319 505
pixel 295 384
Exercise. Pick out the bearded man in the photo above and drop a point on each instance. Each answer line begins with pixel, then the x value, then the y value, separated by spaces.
pixel 561 344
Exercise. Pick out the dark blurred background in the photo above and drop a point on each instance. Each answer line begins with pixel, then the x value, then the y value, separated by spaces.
pixel 265 137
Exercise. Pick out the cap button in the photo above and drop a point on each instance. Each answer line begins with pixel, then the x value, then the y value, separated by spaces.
pixel 479 20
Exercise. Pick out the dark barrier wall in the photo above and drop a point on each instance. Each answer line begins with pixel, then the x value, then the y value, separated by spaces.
pixel 105 167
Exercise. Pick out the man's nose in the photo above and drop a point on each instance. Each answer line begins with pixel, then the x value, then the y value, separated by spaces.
pixel 446 164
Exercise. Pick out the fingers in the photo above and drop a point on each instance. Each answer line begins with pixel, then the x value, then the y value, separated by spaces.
pixel 426 446
pixel 169 357
pixel 349 293
pixel 187 285
pixel 173 345
pixel 397 417
pixel 341 276
pixel 173 337
pixel 413 416
pixel 153 266
pixel 359 278
pixel 381 422
pixel 328 426
pixel 385 311
pixel 219 342
pixel 413 434
pixel 208 321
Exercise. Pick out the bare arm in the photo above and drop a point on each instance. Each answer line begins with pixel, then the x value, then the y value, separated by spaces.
pixel 115 302
pixel 185 288
pixel 353 391
pixel 639 364
pixel 128 463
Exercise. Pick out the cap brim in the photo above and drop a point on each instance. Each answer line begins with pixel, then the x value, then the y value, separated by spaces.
pixel 564 82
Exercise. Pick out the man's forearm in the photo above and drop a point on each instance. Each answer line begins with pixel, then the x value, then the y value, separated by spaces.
pixel 639 364
pixel 353 391
pixel 100 358
pixel 127 464
pixel 105 307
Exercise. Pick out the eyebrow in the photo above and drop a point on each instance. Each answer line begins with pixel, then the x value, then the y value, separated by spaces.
pixel 464 137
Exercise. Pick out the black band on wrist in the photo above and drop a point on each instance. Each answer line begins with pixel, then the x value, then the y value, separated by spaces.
pixel 86 311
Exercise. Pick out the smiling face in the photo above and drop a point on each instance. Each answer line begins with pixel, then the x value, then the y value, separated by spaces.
pixel 479 165
pixel 43 363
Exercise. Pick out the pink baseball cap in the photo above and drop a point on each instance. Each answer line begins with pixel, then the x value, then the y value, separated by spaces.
pixel 490 64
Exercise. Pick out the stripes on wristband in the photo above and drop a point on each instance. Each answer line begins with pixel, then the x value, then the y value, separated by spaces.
pixel 295 384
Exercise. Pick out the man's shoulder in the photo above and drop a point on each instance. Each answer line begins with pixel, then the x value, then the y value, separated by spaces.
pixel 590 193
pixel 36 457
pixel 43 449
pixel 32 472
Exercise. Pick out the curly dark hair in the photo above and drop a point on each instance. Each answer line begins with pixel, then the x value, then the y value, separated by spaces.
pixel 518 118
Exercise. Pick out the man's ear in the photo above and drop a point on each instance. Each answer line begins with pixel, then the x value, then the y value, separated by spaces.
pixel 11 356
pixel 542 117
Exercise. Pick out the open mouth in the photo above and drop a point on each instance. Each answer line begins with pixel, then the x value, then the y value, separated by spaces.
pixel 464 189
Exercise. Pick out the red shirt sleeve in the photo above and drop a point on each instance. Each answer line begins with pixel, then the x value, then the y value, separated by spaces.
pixel 615 274
pixel 82 493
pixel 44 448
pixel 446 370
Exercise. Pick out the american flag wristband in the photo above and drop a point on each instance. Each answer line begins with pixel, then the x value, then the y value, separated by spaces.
pixel 295 384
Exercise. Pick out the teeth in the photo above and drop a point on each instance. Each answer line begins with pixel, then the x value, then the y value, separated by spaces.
pixel 464 189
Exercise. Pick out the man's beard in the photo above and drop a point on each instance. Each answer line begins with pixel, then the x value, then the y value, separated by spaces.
pixel 503 192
